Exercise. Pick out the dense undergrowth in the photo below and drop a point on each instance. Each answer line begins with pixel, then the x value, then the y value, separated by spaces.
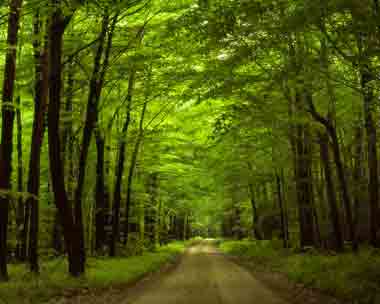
pixel 354 278
pixel 101 273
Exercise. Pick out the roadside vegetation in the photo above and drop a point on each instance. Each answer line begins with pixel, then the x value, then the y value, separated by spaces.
pixel 53 281
pixel 353 278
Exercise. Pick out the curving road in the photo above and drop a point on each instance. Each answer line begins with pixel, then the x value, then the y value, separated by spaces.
pixel 205 277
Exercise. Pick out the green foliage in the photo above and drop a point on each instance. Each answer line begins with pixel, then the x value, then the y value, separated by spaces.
pixel 347 276
pixel 102 273
pixel 221 80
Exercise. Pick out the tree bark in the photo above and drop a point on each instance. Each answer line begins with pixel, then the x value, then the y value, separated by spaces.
pixel 331 196
pixel 153 210
pixel 358 179
pixel 255 216
pixel 40 104
pixel 71 231
pixel 364 41
pixel 20 184
pixel 96 84
pixel 120 168
pixel 331 130
pixel 25 232
pixel 57 243
pixel 100 194
pixel 304 186
pixel 286 211
pixel 7 130
pixel 282 211
pixel 373 187
pixel 132 169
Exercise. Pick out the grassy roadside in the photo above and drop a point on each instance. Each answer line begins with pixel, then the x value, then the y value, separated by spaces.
pixel 352 278
pixel 101 273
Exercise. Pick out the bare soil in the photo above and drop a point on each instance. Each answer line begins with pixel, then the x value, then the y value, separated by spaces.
pixel 203 276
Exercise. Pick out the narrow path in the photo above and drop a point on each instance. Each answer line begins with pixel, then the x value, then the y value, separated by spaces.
pixel 205 276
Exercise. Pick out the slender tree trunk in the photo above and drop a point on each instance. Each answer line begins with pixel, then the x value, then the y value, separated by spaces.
pixel 286 213
pixel 20 184
pixel 132 168
pixel 100 194
pixel 318 238
pixel 304 186
pixel 90 122
pixel 282 211
pixel 158 224
pixel 71 231
pixel 152 211
pixel 373 187
pixel 237 221
pixel 67 153
pixel 331 130
pixel 25 232
pixel 331 196
pixel 120 169
pixel 185 223
pixel 40 104
pixel 67 132
pixel 358 174
pixel 7 129
pixel 57 235
pixel 255 216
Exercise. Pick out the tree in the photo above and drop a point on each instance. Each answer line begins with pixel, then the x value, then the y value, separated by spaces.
pixel 72 230
pixel 7 130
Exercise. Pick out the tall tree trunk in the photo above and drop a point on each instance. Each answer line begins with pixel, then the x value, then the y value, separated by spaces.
pixel 20 184
pixel 373 187
pixel 286 212
pixel 132 168
pixel 304 186
pixel 255 216
pixel 152 210
pixel 358 174
pixel 238 233
pixel 331 196
pixel 100 194
pixel 25 232
pixel 282 211
pixel 40 104
pixel 120 168
pixel 7 130
pixel 57 243
pixel 331 130
pixel 364 41
pixel 158 223
pixel 67 132
pixel 71 231
pixel 96 84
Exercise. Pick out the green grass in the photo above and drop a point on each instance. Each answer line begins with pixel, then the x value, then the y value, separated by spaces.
pixel 346 276
pixel 101 272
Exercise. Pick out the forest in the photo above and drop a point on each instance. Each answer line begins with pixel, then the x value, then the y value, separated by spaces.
pixel 133 131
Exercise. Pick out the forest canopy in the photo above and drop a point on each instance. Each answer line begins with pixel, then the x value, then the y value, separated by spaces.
pixel 127 124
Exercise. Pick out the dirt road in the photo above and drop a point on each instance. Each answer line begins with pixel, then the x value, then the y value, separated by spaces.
pixel 204 276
